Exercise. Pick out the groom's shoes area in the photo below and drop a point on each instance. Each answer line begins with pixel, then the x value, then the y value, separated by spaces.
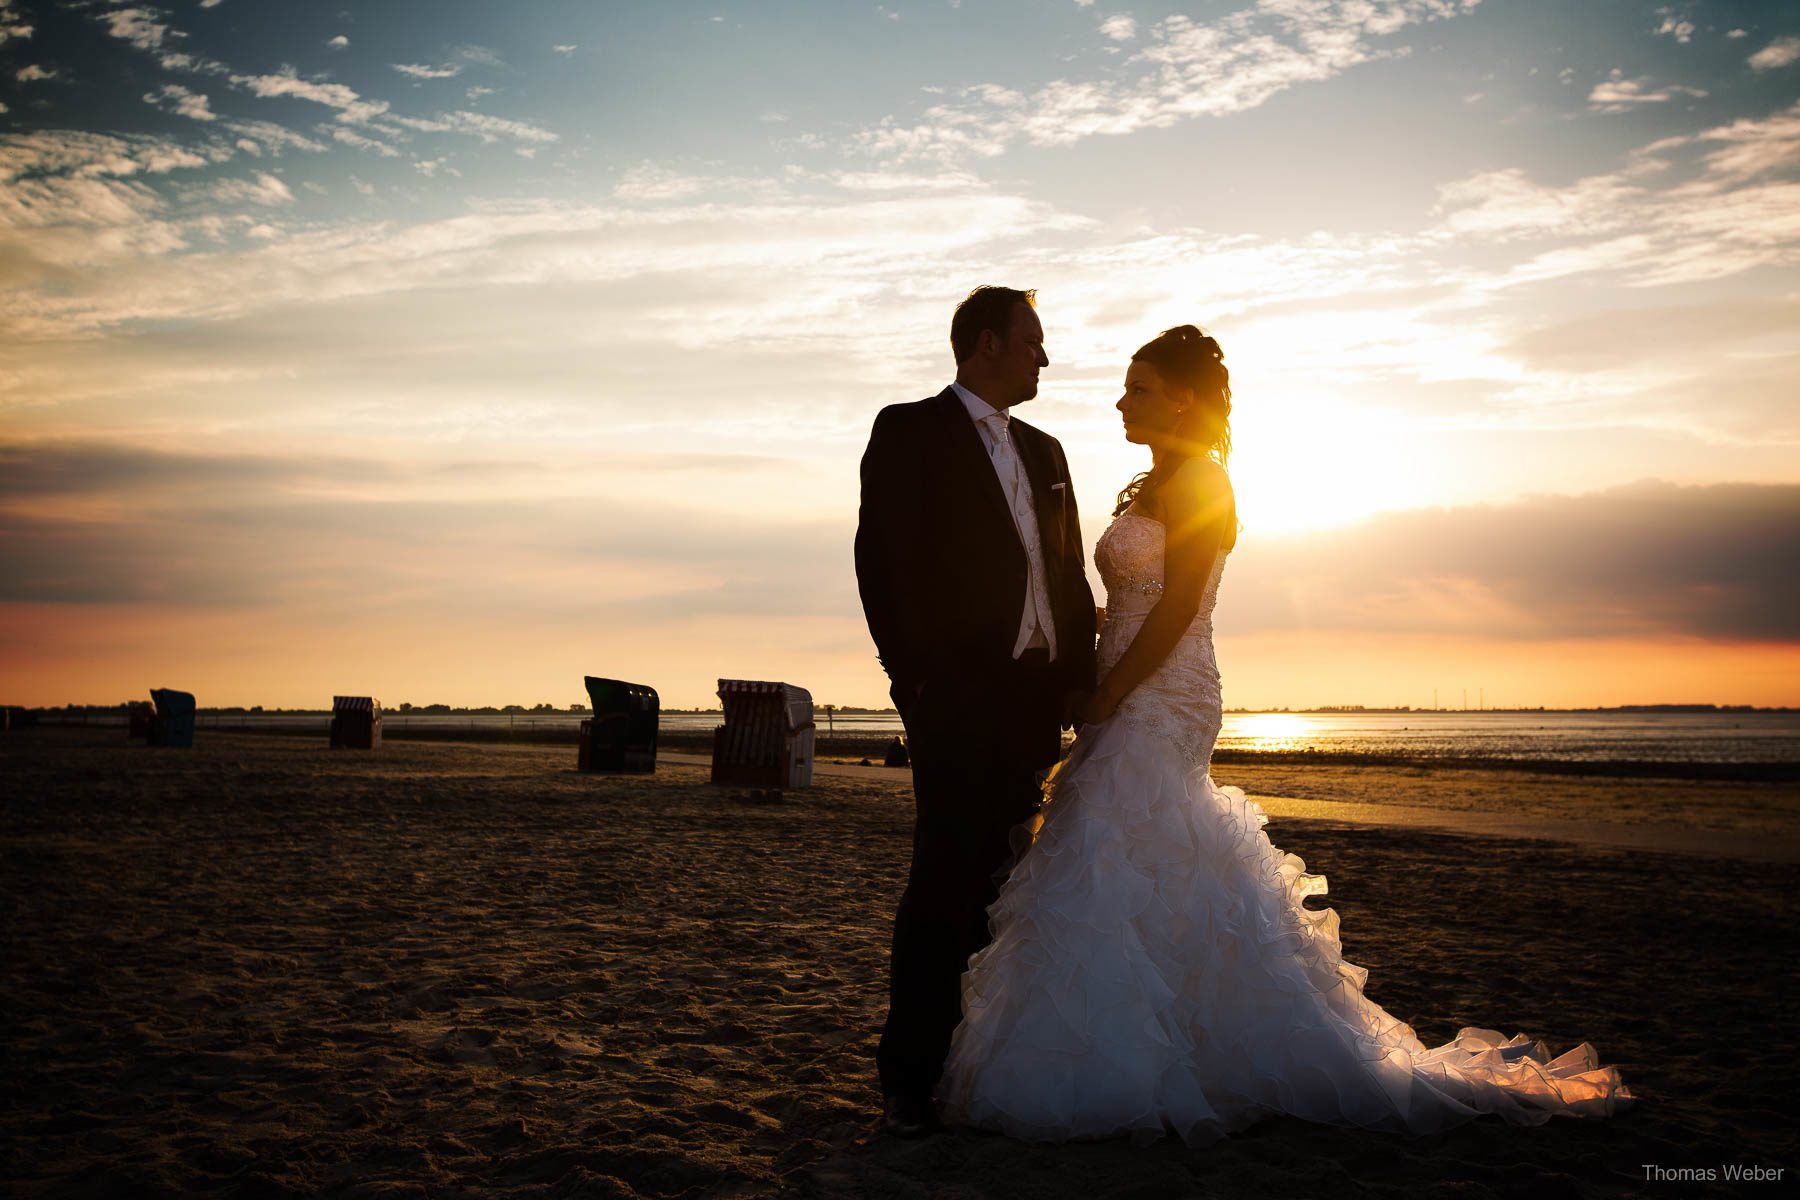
pixel 908 1117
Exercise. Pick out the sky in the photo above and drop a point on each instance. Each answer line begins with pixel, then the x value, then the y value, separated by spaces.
pixel 452 351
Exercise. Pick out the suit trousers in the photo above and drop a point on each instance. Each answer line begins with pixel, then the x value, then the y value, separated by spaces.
pixel 979 748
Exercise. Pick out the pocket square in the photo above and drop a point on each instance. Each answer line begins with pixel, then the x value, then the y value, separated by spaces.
pixel 1057 487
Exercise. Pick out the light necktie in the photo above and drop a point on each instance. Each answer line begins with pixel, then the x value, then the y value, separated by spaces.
pixel 1006 463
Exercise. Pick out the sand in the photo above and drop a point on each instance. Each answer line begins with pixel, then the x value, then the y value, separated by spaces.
pixel 263 968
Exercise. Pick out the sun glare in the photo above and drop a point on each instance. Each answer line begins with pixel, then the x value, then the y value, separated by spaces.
pixel 1304 464
pixel 1265 731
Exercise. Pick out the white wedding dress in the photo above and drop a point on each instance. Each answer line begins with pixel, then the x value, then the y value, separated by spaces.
pixel 1153 966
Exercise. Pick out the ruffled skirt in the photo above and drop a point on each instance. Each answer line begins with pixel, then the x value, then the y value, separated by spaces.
pixel 1154 969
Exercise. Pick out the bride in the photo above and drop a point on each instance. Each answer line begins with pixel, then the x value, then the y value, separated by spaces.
pixel 1153 967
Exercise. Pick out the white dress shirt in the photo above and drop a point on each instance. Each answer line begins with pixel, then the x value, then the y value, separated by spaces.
pixel 1036 624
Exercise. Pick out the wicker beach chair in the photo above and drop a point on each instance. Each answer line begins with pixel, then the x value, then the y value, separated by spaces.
pixel 621 735
pixel 355 722
pixel 767 737
pixel 173 724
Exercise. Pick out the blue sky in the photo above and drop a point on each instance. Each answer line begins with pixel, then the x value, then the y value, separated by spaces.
pixel 553 331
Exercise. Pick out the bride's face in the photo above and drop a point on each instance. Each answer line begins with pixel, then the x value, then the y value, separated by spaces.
pixel 1151 406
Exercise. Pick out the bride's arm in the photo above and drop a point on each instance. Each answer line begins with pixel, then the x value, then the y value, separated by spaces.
pixel 1196 506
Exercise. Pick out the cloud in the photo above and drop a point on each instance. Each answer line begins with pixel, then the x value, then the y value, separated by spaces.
pixel 568 49
pixel 339 42
pixel 265 189
pixel 648 183
pixel 1192 68
pixel 1778 53
pixel 1652 559
pixel 39 469
pixel 480 125
pixel 195 64
pixel 33 73
pixel 1734 213
pixel 286 532
pixel 357 140
pixel 140 27
pixel 1420 320
pixel 182 101
pixel 478 56
pixel 11 29
pixel 58 187
pixel 267 135
pixel 1120 27
pixel 350 106
pixel 1679 28
pixel 1617 94
pixel 419 71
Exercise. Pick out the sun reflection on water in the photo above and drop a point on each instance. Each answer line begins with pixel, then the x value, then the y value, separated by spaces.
pixel 1266 731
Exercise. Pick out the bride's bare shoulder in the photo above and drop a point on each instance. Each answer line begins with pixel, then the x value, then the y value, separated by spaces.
pixel 1199 483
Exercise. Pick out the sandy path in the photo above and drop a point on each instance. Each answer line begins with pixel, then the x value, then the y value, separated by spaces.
pixel 263 969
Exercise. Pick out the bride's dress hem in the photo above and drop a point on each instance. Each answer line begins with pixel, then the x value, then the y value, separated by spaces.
pixel 1154 970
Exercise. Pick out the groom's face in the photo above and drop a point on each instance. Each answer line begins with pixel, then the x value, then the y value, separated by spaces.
pixel 1021 356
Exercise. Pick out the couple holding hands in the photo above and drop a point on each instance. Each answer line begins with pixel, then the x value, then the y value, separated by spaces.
pixel 1119 948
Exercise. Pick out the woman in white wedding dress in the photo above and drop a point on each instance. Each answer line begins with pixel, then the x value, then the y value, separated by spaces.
pixel 1153 967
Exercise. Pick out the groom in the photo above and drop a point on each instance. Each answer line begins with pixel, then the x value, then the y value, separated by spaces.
pixel 969 561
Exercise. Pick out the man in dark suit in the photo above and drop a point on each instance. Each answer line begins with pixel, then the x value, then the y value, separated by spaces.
pixel 969 561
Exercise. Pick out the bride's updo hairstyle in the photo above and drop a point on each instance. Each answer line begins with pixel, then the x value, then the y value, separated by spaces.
pixel 1187 357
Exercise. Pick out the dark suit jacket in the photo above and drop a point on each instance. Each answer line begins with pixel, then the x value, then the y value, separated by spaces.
pixel 939 563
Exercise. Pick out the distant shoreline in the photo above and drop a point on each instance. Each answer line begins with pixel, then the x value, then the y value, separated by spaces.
pixel 853 747
pixel 1329 710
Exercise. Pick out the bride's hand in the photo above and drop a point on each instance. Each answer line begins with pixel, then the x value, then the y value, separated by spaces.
pixel 1096 710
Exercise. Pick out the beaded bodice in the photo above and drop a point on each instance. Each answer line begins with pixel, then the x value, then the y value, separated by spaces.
pixel 1181 699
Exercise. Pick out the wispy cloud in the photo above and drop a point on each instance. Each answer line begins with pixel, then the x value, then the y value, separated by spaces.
pixel 194 63
pixel 1192 69
pixel 420 71
pixel 487 128
pixel 267 136
pixel 362 142
pixel 1120 27
pixel 1619 94
pixel 1778 53
pixel 11 28
pixel 1674 25
pixel 264 189
pixel 1734 213
pixel 351 107
pixel 180 100
pixel 78 181
pixel 140 27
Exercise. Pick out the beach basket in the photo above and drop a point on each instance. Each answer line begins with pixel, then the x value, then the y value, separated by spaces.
pixel 355 722
pixel 767 737
pixel 173 724
pixel 621 735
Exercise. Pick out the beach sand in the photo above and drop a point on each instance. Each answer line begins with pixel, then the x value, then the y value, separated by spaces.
pixel 263 968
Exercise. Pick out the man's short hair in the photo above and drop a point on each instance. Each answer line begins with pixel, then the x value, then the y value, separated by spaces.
pixel 987 307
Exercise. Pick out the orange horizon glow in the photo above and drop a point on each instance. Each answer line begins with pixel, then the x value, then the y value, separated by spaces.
pixel 108 654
